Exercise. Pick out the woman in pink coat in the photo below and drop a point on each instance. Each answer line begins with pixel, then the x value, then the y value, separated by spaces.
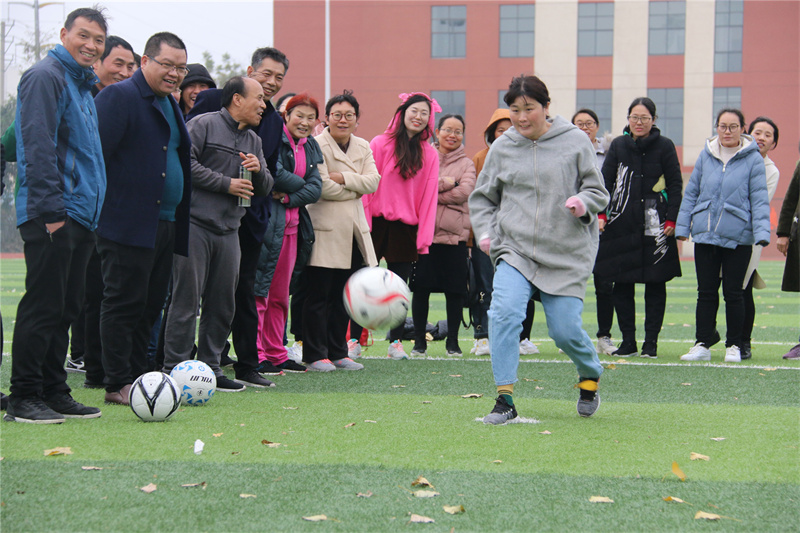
pixel 444 268
pixel 402 211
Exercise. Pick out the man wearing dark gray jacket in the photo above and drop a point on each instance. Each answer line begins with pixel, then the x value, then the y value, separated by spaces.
pixel 222 143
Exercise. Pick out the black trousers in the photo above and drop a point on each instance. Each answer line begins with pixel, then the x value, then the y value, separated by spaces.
pixel 136 281
pixel 324 314
pixel 454 305
pixel 749 310
pixel 655 303
pixel 245 320
pixel 54 282
pixel 484 277
pixel 93 299
pixel 604 292
pixel 708 261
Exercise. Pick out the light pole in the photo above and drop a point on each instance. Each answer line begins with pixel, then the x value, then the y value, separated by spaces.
pixel 36 7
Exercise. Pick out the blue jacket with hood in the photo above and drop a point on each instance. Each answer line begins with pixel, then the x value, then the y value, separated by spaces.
pixel 61 171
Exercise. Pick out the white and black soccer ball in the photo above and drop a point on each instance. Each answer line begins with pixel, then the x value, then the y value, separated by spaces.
pixel 196 382
pixel 154 397
pixel 377 298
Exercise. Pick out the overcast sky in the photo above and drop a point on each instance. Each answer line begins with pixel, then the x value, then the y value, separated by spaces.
pixel 217 27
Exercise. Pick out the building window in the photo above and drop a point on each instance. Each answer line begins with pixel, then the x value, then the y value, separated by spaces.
pixel 596 29
pixel 448 31
pixel 501 103
pixel 516 30
pixel 728 35
pixel 669 107
pixel 725 97
pixel 599 101
pixel 454 102
pixel 667 28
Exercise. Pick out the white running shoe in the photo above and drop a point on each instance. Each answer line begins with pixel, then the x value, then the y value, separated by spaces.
pixel 733 354
pixel 605 346
pixel 698 352
pixel 482 347
pixel 396 351
pixel 353 349
pixel 526 347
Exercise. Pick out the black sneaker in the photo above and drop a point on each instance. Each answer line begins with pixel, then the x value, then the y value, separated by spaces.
pixel 589 400
pixel 31 411
pixel 3 401
pixel 626 349
pixel 254 379
pixel 745 350
pixel 268 369
pixel 75 365
pixel 66 405
pixel 649 350
pixel 224 384
pixel 291 366
pixel 501 413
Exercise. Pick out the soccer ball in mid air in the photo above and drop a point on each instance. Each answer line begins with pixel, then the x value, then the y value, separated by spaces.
pixel 377 298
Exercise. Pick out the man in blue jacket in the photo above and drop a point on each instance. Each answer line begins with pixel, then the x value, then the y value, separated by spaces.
pixel 62 184
pixel 146 214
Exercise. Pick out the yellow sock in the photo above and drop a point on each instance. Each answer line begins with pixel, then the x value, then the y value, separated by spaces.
pixel 505 389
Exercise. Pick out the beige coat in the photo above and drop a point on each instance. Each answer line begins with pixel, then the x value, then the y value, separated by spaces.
pixel 338 216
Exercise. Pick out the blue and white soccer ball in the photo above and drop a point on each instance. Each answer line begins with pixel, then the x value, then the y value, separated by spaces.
pixel 196 382
pixel 154 397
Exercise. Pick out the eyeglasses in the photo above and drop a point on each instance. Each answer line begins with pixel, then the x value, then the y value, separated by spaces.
pixel 643 120
pixel 338 116
pixel 725 127
pixel 183 71
pixel 587 124
pixel 448 131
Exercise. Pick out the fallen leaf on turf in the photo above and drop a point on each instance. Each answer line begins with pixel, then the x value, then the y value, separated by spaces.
pixel 270 444
pixel 150 487
pixel 291 408
pixel 419 519
pixel 621 361
pixel 64 450
pixel 611 366
pixel 235 453
pixel 351 424
pixel 216 434
pixel 371 421
pixel 497 461
pixel 367 494
pixel 706 516
pixel 244 496
pixel 698 457
pixel 538 388
pixel 674 499
pixel 761 374
pixel 202 484
pixel 686 384
pixel 425 493
pixel 427 401
pixel 421 482
pixel 455 375
pixel 398 386
pixel 241 425
pixel 528 379
pixel 717 438
pixel 91 468
pixel 473 395
pixel 453 509
pixel 770 369
pixel 600 499
pixel 545 432
pixel 677 471
pixel 315 518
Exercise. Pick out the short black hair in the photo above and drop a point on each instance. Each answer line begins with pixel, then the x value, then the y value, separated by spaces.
pixel 112 41
pixel 451 115
pixel 586 111
pixel 733 111
pixel 233 86
pixel 527 86
pixel 268 52
pixel 645 101
pixel 138 59
pixel 153 45
pixel 94 14
pixel 346 97
pixel 766 120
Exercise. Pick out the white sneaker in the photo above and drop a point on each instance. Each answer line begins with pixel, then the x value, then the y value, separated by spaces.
pixel 474 346
pixel 733 354
pixel 482 347
pixel 605 346
pixel 396 351
pixel 353 349
pixel 526 347
pixel 698 352
pixel 347 364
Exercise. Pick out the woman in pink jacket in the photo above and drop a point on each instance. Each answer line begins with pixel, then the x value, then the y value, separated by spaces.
pixel 444 268
pixel 402 211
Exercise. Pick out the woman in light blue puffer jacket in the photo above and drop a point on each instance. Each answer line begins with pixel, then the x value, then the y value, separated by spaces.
pixel 726 210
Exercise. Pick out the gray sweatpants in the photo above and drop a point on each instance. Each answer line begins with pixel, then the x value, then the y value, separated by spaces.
pixel 208 277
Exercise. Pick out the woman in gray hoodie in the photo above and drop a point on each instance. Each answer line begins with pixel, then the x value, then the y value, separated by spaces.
pixel 534 211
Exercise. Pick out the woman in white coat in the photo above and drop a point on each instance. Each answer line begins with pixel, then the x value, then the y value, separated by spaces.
pixel 343 243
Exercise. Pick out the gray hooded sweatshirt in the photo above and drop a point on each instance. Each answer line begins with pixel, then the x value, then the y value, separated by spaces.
pixel 519 204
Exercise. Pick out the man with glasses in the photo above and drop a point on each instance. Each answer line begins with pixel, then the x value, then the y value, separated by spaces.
pixel 268 67
pixel 146 215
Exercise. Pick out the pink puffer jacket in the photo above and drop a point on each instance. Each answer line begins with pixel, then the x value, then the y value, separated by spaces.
pixel 456 182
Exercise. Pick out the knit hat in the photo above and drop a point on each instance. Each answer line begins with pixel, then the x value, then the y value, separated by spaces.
pixel 198 74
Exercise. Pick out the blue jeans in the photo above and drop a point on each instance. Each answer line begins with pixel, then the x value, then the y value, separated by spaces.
pixel 509 300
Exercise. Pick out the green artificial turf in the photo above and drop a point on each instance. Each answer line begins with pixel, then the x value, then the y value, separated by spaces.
pixel 375 431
